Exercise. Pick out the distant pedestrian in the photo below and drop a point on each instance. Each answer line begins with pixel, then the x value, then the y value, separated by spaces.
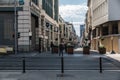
pixel 61 48
pixel 51 45
pixel 66 47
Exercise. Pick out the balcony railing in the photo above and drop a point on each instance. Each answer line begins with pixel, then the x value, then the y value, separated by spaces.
pixel 7 2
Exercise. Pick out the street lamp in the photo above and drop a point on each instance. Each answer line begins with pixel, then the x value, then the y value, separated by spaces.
pixel 112 52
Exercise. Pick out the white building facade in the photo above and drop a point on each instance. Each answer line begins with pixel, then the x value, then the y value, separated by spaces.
pixel 106 24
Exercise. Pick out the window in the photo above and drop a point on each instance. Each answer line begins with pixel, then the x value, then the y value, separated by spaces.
pixel 56 29
pixel 105 30
pixel 35 1
pixel 94 33
pixel 6 28
pixel 99 31
pixel 51 27
pixel 115 28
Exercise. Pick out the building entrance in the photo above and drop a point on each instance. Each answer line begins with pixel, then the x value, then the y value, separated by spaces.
pixel 7 29
pixel 34 29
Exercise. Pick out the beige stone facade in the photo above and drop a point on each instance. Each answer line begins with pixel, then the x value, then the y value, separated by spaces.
pixel 105 24
pixel 36 26
pixel 67 31
pixel 50 29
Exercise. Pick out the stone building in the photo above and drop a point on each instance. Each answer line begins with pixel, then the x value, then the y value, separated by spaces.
pixel 25 24
pixel 105 18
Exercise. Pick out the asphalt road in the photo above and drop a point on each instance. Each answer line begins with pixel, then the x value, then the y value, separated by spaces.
pixel 84 62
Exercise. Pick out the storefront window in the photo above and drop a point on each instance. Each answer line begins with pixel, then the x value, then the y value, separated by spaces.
pixel 6 28
pixel 8 31
pixel 94 33
pixel 115 28
pixel 105 30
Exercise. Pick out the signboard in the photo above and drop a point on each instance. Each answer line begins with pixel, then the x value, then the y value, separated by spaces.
pixel 21 2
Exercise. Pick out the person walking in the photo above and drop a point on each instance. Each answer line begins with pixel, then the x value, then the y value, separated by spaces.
pixel 51 45
pixel 66 47
pixel 61 48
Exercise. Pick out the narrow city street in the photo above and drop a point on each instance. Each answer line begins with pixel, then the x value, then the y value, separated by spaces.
pixel 48 66
pixel 39 62
pixel 59 40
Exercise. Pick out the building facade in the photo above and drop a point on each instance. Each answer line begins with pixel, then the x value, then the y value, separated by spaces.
pixel 49 18
pixel 82 29
pixel 82 36
pixel 70 33
pixel 29 23
pixel 67 32
pixel 105 24
pixel 61 28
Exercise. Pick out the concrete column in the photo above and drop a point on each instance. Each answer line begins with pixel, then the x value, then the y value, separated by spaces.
pixel 53 34
pixel 119 44
pixel 42 32
pixel 24 26
pixel 44 27
pixel 119 27
pixel 58 35
pixel 49 35
pixel 119 36
pixel 39 26
pixel 110 28
pixel 96 44
pixel 100 30
pixel 26 2
pixel 96 32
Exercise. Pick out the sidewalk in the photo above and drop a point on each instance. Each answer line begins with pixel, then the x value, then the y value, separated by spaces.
pixel 114 58
pixel 55 75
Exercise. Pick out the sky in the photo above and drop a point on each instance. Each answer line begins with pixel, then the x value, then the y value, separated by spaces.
pixel 73 11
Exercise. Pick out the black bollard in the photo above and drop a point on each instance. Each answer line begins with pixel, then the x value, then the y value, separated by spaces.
pixel 100 64
pixel 24 71
pixel 62 64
